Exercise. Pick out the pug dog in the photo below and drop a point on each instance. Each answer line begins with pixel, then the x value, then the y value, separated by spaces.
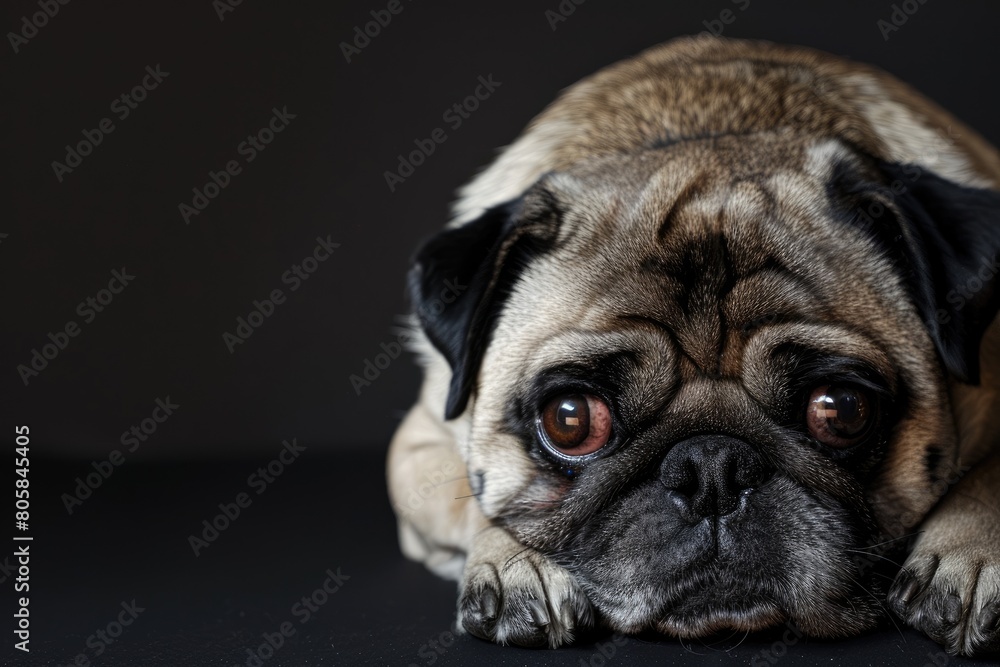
pixel 708 343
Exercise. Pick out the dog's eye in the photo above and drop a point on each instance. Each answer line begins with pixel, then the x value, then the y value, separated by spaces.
pixel 839 416
pixel 576 424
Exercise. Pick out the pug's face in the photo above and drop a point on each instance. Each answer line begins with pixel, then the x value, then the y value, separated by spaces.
pixel 701 378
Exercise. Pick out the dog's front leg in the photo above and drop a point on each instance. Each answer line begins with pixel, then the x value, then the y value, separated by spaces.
pixel 512 594
pixel 949 587
pixel 509 593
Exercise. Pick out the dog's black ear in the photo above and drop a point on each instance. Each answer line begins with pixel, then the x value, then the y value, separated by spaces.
pixel 951 238
pixel 461 278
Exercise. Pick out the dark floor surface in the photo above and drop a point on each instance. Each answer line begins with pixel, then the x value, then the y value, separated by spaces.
pixel 129 541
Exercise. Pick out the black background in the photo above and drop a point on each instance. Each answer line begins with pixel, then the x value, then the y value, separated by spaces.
pixel 322 176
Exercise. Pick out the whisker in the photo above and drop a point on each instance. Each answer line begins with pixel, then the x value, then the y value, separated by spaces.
pixel 740 643
pixel 879 603
pixel 894 539
pixel 871 555
pixel 509 560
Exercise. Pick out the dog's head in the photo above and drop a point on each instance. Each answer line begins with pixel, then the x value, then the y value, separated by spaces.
pixel 710 377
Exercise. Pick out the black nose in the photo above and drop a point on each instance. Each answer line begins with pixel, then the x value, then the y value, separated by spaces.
pixel 708 474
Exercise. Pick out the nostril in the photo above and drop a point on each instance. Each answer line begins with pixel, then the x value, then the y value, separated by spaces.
pixel 712 475
pixel 682 480
pixel 730 474
pixel 752 477
pixel 688 482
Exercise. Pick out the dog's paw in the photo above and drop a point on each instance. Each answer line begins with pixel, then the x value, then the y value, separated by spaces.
pixel 515 595
pixel 953 596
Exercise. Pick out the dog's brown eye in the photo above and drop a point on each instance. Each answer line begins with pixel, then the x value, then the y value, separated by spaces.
pixel 839 416
pixel 576 424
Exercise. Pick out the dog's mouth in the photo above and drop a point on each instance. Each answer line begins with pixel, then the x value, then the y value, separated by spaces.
pixel 719 593
pixel 719 596
pixel 711 613
pixel 780 555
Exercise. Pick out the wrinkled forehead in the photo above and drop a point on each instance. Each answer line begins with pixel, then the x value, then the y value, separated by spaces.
pixel 743 189
pixel 695 210
pixel 704 239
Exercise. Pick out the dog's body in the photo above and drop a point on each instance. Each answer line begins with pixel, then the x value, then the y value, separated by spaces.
pixel 684 242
